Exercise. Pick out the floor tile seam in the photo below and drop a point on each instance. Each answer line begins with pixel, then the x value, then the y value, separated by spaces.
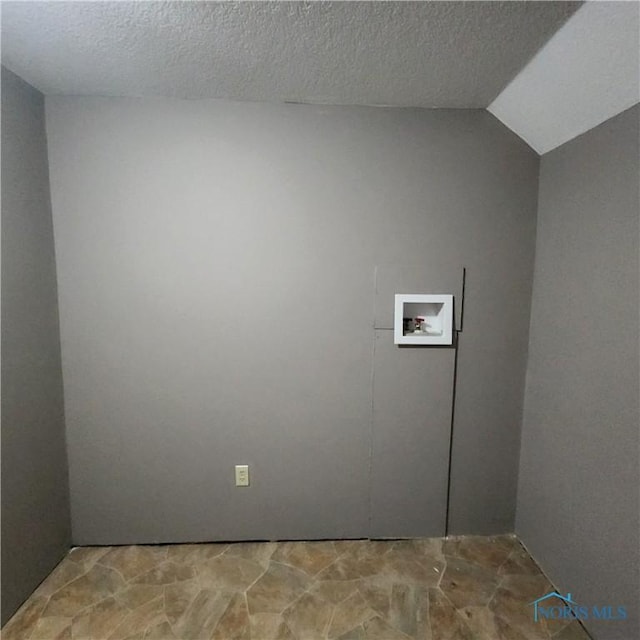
pixel 84 610
pixel 504 562
pixel 181 616
pixel 443 571
pixel 46 604
pixel 164 608
pixel 239 557
pixel 348 550
pixel 334 609
pixel 198 580
pixel 406 635
pixel 333 562
pixel 219 620
pixel 131 611
pixel 373 612
pixel 428 620
pixel 290 604
pixel 132 578
pixel 393 544
pixel 455 610
pixel 304 592
pixel 501 580
pixel 246 604
pixel 246 589
pixel 33 627
pixel 566 624
pixel 156 624
pixel 331 617
pixel 376 612
pixel 116 570
pixel 291 566
pixel 65 559
pixel 589 636
pixel 287 566
pixel 227 547
pixel 505 619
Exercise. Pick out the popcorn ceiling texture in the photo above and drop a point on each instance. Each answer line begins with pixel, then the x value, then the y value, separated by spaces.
pixel 429 54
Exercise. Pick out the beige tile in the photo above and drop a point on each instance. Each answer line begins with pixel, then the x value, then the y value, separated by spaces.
pixel 161 631
pixel 65 634
pixel 349 614
pixel 194 554
pixel 139 620
pixel 573 631
pixel 446 622
pixel 511 608
pixel 234 623
pixel 22 623
pixel 137 594
pixel 378 629
pixel 555 626
pixel 356 562
pixel 276 589
pixel 343 546
pixel 201 617
pixel 409 610
pixel 526 588
pixel 467 584
pixel 308 617
pixel 86 557
pixel 507 630
pixel 341 590
pixel 229 573
pixel 160 551
pixel 310 557
pixel 129 561
pixel 519 562
pixel 99 620
pixel 355 634
pixel 377 594
pixel 51 628
pixel 64 573
pixel 407 564
pixel 95 585
pixel 259 552
pixel 489 552
pixel 74 597
pixel 264 626
pixel 284 633
pixel 481 621
pixel 335 591
pixel 423 547
pixel 178 598
pixel 167 572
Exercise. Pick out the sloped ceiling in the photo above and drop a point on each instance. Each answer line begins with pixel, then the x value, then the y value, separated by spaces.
pixel 547 70
pixel 423 54
pixel 587 73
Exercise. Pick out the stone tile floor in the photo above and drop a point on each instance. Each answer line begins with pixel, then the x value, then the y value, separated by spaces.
pixel 466 588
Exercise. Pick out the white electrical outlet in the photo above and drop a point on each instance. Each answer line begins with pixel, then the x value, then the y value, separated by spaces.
pixel 242 475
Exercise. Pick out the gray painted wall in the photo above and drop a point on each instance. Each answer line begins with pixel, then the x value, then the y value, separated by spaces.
pixel 216 279
pixel 35 502
pixel 578 491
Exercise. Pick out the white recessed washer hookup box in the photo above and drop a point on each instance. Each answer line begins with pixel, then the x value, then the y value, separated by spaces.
pixel 423 319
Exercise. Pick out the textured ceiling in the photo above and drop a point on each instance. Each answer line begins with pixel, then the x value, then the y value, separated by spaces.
pixel 429 54
pixel 587 73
